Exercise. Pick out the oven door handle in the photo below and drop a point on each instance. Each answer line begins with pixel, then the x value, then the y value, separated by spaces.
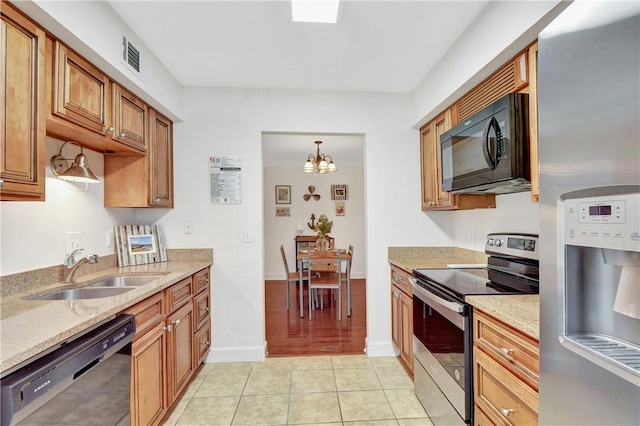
pixel 452 306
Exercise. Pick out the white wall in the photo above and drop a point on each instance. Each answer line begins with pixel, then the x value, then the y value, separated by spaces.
pixel 513 213
pixel 231 121
pixel 501 30
pixel 33 233
pixel 347 229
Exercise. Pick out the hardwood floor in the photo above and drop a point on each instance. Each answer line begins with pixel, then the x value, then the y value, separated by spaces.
pixel 289 335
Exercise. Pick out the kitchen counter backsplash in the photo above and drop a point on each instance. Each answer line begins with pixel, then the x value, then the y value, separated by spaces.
pixel 409 258
pixel 31 280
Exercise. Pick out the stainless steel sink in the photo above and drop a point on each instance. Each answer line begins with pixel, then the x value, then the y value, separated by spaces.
pixel 84 293
pixel 124 281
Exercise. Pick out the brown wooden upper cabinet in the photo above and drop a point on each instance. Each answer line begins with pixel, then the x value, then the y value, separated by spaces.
pixel 129 119
pixel 517 75
pixel 22 112
pixel 433 198
pixel 143 180
pixel 87 107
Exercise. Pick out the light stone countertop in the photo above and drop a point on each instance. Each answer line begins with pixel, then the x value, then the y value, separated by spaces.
pixel 410 258
pixel 29 327
pixel 519 311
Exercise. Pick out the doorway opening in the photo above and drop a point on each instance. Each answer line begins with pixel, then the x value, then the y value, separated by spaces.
pixel 285 218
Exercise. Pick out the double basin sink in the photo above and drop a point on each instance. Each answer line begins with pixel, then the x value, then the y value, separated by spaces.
pixel 105 287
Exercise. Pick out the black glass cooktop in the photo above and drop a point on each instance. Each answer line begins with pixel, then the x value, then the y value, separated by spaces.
pixel 470 282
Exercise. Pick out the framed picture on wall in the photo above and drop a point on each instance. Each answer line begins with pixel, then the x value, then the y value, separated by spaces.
pixel 283 194
pixel 339 208
pixel 283 211
pixel 339 192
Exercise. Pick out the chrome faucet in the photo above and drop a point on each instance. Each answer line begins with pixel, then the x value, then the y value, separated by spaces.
pixel 71 265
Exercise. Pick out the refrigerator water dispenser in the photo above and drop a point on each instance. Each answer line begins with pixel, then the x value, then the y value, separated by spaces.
pixel 601 292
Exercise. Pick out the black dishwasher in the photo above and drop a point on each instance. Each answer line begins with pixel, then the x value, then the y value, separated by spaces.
pixel 85 381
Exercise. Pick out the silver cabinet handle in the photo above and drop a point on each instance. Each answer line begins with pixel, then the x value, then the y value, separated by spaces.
pixel 167 328
pixel 176 322
pixel 122 135
pixel 157 200
pixel 110 129
pixel 507 351
pixel 506 411
pixel 206 309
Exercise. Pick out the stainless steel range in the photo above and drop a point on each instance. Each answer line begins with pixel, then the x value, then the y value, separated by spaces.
pixel 442 331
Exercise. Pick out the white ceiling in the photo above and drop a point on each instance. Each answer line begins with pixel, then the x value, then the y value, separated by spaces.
pixel 376 46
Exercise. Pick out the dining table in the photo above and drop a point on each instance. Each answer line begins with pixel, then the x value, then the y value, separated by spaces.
pixel 302 258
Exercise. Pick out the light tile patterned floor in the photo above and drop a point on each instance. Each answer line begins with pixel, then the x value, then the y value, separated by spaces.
pixel 349 390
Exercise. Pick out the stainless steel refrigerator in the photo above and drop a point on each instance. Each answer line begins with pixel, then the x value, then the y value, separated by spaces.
pixel 589 151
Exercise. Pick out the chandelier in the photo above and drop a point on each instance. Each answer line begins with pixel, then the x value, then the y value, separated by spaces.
pixel 318 163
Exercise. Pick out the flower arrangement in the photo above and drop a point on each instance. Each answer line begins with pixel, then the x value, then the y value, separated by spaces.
pixel 323 227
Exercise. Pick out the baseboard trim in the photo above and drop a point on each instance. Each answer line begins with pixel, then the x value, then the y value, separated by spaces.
pixel 376 349
pixel 238 354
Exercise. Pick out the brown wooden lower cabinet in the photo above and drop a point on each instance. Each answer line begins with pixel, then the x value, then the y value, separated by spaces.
pixel 402 315
pixel 148 377
pixel 168 347
pixel 180 361
pixel 505 373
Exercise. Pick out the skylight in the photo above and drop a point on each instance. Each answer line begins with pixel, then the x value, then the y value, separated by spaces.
pixel 324 11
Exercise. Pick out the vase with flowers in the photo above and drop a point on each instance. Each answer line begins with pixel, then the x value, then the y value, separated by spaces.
pixel 323 228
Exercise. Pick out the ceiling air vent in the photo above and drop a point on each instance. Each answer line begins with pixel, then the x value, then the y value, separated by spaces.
pixel 130 54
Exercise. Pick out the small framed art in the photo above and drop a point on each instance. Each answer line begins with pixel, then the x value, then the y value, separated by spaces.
pixel 283 194
pixel 283 212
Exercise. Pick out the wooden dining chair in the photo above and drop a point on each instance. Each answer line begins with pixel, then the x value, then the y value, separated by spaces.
pixel 329 265
pixel 292 277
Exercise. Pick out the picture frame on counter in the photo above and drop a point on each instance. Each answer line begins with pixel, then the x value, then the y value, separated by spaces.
pixel 139 244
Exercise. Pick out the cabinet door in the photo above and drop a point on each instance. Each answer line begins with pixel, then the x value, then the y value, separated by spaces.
pixel 405 306
pixel 395 317
pixel 432 195
pixel 202 309
pixel 22 111
pixel 149 400
pixel 80 92
pixel 161 161
pixel 202 343
pixel 129 119
pixel 180 358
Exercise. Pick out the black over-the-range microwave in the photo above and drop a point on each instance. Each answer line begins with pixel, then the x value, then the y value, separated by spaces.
pixel 489 152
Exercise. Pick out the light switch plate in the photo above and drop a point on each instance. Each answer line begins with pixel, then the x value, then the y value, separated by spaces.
pixel 73 241
pixel 471 235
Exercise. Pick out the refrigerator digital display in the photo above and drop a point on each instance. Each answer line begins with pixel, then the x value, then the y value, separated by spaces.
pixel 600 210
pixel 521 244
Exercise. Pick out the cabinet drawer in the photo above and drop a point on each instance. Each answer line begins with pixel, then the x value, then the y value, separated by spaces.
pixel 501 395
pixel 202 343
pixel 201 308
pixel 178 294
pixel 510 346
pixel 201 281
pixel 400 279
pixel 148 313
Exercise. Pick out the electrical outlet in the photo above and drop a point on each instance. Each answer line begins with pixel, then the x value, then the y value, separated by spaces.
pixel 471 235
pixel 109 238
pixel 73 241
pixel 247 236
pixel 188 227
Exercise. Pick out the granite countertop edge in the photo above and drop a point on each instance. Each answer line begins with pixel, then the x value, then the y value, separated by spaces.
pixel 520 311
pixel 21 323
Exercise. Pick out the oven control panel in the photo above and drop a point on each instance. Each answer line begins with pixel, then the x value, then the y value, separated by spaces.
pixel 520 245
